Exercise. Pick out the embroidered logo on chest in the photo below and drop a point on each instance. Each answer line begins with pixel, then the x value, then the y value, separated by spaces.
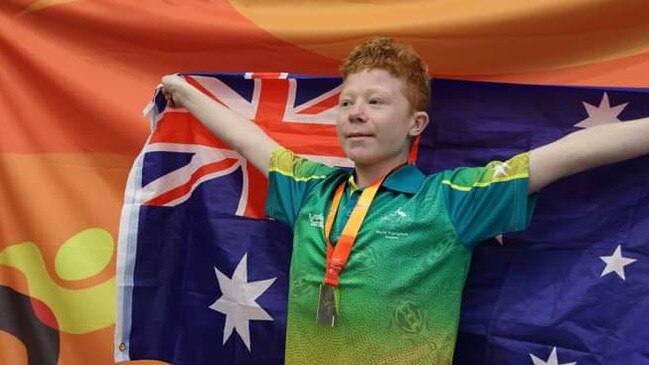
pixel 394 224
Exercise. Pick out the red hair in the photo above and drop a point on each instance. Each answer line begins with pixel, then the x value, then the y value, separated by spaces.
pixel 400 60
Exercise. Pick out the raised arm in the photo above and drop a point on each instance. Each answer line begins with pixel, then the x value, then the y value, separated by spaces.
pixel 586 149
pixel 240 133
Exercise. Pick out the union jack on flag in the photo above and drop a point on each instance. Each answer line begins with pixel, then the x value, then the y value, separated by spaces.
pixel 291 110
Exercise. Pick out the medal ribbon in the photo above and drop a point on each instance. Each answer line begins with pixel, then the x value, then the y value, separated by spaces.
pixel 337 257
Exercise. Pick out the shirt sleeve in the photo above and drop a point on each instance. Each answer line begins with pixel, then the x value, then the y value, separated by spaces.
pixel 290 178
pixel 484 202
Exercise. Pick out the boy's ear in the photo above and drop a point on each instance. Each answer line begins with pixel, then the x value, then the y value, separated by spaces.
pixel 420 121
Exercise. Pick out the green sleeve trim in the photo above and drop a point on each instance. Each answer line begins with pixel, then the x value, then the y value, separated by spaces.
pixel 285 162
pixel 479 184
pixel 496 171
pixel 298 178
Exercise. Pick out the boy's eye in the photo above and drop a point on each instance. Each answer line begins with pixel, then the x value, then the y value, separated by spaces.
pixel 375 101
pixel 344 103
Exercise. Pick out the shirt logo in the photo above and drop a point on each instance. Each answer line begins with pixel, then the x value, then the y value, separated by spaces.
pixel 393 224
pixel 316 220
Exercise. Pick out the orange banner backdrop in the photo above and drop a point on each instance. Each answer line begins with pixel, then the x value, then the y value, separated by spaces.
pixel 75 75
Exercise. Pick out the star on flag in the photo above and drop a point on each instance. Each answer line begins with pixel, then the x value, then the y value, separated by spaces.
pixel 616 263
pixel 602 114
pixel 238 301
pixel 552 360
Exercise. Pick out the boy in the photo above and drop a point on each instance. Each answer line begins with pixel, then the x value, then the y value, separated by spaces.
pixel 380 256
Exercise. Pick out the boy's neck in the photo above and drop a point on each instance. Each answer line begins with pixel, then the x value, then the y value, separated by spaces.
pixel 367 174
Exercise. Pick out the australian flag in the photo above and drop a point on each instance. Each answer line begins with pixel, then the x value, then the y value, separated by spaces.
pixel 202 277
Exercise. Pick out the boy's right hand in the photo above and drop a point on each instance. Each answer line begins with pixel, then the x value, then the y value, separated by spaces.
pixel 175 90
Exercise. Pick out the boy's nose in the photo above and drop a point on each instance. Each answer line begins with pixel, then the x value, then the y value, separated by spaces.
pixel 357 113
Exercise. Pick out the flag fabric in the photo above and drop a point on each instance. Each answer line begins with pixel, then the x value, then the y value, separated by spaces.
pixel 572 288
pixel 202 278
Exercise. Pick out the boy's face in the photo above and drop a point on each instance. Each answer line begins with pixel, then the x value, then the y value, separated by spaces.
pixel 375 120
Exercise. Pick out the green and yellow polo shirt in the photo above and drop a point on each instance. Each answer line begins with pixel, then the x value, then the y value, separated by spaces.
pixel 402 286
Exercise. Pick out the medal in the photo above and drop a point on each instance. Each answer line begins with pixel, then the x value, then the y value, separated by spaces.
pixel 327 305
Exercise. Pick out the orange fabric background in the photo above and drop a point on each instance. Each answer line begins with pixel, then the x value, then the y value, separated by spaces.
pixel 75 75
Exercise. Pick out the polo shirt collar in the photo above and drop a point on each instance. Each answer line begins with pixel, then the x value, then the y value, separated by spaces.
pixel 407 179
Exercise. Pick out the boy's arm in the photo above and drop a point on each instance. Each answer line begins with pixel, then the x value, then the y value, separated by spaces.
pixel 586 149
pixel 241 134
